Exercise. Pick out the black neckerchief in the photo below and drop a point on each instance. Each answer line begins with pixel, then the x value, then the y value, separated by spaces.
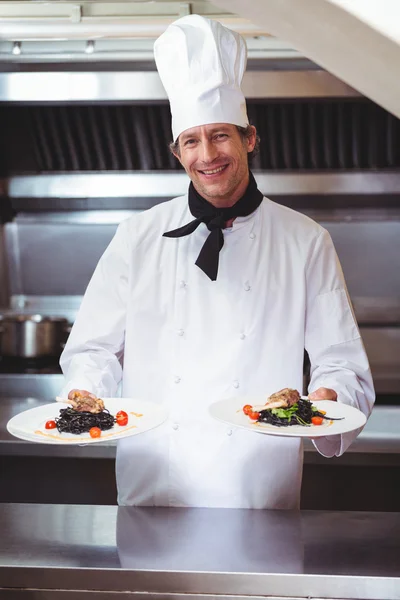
pixel 215 219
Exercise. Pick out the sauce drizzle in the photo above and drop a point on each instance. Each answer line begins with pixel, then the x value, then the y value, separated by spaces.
pixel 83 439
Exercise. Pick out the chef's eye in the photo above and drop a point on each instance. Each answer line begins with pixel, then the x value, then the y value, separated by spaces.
pixel 221 136
pixel 190 142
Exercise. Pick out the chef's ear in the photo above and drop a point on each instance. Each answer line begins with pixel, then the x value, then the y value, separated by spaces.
pixel 175 149
pixel 251 138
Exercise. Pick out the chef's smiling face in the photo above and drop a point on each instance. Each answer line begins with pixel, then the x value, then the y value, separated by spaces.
pixel 215 158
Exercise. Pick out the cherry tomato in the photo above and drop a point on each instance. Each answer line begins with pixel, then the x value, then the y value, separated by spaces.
pixel 122 418
pixel 95 432
pixel 253 415
pixel 50 425
pixel 317 420
pixel 247 409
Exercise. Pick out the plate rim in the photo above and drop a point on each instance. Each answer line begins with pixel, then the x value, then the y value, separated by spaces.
pixel 30 437
pixel 283 431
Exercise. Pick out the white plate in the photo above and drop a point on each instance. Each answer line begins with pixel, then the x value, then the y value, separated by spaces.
pixel 142 416
pixel 230 411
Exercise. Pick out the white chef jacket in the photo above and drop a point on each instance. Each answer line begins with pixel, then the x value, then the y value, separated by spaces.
pixel 151 318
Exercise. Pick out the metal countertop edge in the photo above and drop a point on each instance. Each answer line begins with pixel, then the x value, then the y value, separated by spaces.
pixel 363 446
pixel 177 582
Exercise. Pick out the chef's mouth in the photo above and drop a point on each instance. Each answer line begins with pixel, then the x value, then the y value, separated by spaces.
pixel 213 172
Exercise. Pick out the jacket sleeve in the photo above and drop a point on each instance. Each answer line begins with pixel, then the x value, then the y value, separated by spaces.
pixel 333 342
pixel 92 356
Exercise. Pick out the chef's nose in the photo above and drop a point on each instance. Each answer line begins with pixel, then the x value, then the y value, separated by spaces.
pixel 209 152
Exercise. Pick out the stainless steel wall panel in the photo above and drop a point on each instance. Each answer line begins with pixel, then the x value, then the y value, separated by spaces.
pixel 12 247
pixel 106 185
pixel 382 345
pixel 370 256
pixel 169 184
pixel 375 311
pixel 58 306
pixel 74 86
pixel 35 389
pixel 69 246
pixel 4 289
pixel 55 259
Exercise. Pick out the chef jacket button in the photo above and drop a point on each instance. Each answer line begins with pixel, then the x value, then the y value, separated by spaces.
pixel 247 286
pixel 235 383
pixel 175 426
pixel 229 432
pixel 180 332
pixel 252 236
pixel 242 336
pixel 177 379
pixel 182 284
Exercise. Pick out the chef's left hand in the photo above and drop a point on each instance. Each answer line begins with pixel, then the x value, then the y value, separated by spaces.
pixel 323 394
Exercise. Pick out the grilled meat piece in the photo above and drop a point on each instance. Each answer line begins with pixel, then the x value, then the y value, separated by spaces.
pixel 86 403
pixel 283 399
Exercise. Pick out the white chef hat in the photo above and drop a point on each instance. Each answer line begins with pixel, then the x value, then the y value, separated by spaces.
pixel 201 65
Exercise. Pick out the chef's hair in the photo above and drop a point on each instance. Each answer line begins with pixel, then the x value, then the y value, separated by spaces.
pixel 244 132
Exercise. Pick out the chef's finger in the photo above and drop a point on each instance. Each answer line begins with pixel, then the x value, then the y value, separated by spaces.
pixel 323 394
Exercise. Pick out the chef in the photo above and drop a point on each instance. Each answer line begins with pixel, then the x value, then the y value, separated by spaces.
pixel 213 295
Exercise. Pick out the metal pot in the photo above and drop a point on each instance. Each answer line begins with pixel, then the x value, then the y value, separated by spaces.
pixel 32 336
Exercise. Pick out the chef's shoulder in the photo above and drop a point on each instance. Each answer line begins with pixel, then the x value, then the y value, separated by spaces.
pixel 294 226
pixel 153 222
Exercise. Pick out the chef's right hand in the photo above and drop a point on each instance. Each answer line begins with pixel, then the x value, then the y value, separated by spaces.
pixel 73 393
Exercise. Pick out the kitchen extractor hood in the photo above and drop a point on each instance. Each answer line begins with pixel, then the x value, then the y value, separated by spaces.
pixel 297 135
pixel 88 118
pixel 356 40
pixel 97 150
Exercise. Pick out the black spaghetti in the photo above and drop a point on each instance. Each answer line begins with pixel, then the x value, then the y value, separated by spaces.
pixel 300 413
pixel 73 421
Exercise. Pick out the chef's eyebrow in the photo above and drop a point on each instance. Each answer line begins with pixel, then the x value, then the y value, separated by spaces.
pixel 222 128
pixel 187 135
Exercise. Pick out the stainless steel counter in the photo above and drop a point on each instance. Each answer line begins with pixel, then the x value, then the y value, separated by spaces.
pixel 380 436
pixel 175 551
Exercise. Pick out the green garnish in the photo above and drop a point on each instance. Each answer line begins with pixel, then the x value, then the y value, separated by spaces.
pixel 285 413
pixel 288 413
